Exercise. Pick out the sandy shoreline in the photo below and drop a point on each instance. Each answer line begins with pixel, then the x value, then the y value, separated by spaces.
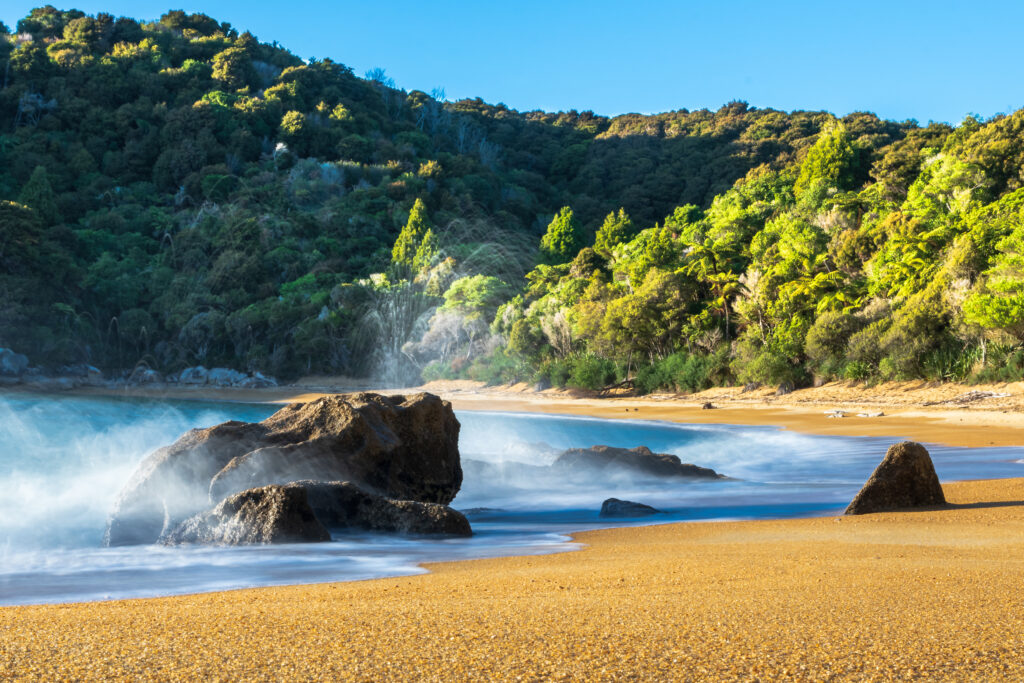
pixel 933 413
pixel 933 594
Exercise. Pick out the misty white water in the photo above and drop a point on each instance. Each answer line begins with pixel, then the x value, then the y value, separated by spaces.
pixel 63 460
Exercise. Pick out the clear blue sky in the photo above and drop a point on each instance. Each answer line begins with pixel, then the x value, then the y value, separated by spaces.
pixel 937 60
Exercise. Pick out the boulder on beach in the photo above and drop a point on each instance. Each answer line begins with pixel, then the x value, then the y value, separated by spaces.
pixel 343 505
pixel 638 460
pixel 257 381
pixel 48 384
pixel 12 364
pixel 226 377
pixel 904 479
pixel 84 374
pixel 270 514
pixel 613 507
pixel 142 375
pixel 194 376
pixel 401 447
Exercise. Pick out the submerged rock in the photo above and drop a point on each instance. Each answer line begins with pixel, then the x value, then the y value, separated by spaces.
pixel 904 479
pixel 639 460
pixel 343 505
pixel 404 448
pixel 270 514
pixel 613 507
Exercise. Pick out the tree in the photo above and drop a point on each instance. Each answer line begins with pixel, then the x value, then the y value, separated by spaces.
pixel 1000 304
pixel 19 238
pixel 85 31
pixel 617 229
pixel 233 68
pixel 563 238
pixel 829 163
pixel 404 252
pixel 38 194
pixel 426 252
pixel 380 77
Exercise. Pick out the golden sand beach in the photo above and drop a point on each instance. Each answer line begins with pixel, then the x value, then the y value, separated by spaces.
pixel 929 594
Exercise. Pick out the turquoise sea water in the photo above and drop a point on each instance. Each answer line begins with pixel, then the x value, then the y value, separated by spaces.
pixel 63 460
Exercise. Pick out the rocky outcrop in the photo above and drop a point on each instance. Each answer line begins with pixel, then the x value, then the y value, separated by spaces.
pixel 270 514
pixel 613 507
pixel 638 460
pixel 343 505
pixel 405 448
pixel 50 384
pixel 194 376
pixel 12 364
pixel 199 376
pixel 142 376
pixel 905 479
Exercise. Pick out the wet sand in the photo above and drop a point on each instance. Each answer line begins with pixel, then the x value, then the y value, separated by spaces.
pixel 931 594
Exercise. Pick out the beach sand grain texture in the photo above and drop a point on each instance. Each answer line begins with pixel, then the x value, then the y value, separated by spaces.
pixel 932 595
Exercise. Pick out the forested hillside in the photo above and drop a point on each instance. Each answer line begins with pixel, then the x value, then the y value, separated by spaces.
pixel 176 193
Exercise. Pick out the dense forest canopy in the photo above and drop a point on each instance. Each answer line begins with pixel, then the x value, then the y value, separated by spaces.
pixel 177 193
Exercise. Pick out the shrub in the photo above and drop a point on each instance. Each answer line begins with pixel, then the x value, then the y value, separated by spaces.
pixel 591 372
pixel 684 372
pixel 497 368
pixel 826 342
pixel 772 367
pixel 950 364
pixel 857 370
pixel 436 370
pixel 1002 364
pixel 556 372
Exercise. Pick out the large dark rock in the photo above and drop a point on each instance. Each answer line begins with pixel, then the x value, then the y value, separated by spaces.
pixel 639 460
pixel 400 447
pixel 905 479
pixel 613 507
pixel 270 514
pixel 343 505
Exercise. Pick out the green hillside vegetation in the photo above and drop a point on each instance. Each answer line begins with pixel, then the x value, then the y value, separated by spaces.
pixel 177 193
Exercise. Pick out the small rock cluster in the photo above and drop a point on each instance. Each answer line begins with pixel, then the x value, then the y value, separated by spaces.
pixel 199 376
pixel 16 370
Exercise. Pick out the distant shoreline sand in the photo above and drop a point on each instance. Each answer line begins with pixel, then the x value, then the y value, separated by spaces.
pixel 948 414
pixel 929 594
